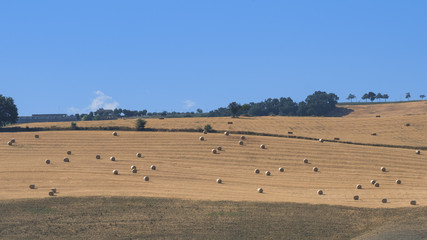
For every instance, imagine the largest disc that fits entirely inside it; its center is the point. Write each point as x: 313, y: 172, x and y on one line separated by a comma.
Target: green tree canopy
x: 320, y: 103
x: 351, y: 97
x: 234, y: 108
x: 8, y: 111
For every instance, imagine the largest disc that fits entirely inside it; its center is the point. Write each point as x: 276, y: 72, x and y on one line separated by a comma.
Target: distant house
x: 46, y: 118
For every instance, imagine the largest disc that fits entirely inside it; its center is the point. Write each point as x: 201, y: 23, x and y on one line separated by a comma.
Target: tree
x: 320, y: 103
x: 408, y: 96
x: 365, y: 97
x: 8, y: 111
x: 351, y: 97
x: 379, y: 96
x: 287, y: 107
x: 385, y: 96
x: 371, y: 96
x: 234, y: 108
x: 208, y: 128
x: 422, y: 96
x: 140, y: 124
x: 245, y: 108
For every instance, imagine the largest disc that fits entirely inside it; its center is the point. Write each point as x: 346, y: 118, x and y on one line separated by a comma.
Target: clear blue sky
x: 75, y: 56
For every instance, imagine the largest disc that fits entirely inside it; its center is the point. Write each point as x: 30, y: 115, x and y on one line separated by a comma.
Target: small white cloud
x: 189, y: 104
x: 102, y: 101
x: 73, y: 110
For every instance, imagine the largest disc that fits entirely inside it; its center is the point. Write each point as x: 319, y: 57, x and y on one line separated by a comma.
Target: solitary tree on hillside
x: 351, y: 97
x: 408, y: 96
x: 8, y: 111
x: 422, y: 96
x: 234, y: 108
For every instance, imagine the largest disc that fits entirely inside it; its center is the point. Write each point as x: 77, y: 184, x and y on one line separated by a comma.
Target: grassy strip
x: 159, y: 218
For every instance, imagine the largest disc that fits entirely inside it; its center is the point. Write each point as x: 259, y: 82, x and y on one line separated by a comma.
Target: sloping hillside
x: 399, y: 124
x: 387, y: 109
x: 187, y: 169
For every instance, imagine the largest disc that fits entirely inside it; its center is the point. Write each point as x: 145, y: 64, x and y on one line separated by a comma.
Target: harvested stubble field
x: 187, y: 170
x: 358, y: 126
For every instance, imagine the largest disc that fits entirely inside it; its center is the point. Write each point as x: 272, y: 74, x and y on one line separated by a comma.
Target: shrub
x: 208, y: 127
x: 73, y: 126
x: 140, y: 124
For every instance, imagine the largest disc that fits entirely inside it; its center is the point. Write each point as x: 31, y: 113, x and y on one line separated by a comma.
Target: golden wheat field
x: 359, y: 126
x: 187, y: 169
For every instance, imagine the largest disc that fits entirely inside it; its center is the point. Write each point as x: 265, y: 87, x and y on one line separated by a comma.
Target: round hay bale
x: 47, y: 161
x: 383, y: 169
x: 153, y: 167
x: 242, y: 137
x: 146, y: 178
x: 213, y: 151
x: 68, y: 152
x: 267, y: 173
x: 377, y: 184
x: 13, y: 140
x: 66, y: 159
x: 9, y: 143
x: 408, y: 124
x: 320, y: 192
x: 373, y: 182
x: 219, y: 180
x: 205, y: 132
x: 315, y: 169
x: 256, y: 171
x: 134, y: 170
x: 398, y: 181
x: 201, y: 138
x: 219, y: 148
x: 240, y: 142
x: 260, y: 190
x: 418, y: 152
x: 305, y: 160
x: 98, y: 156
x: 262, y: 146
x: 32, y: 186
x: 320, y: 140
x: 132, y: 167
x: 356, y: 197
x: 139, y: 155
x: 374, y: 134
x: 384, y: 200
x: 413, y: 202
x: 358, y: 186
x: 281, y: 169
x: 53, y: 190
x: 114, y: 133
x: 51, y: 193
x: 113, y: 159
x: 115, y: 172
x: 36, y: 136
x: 226, y: 133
